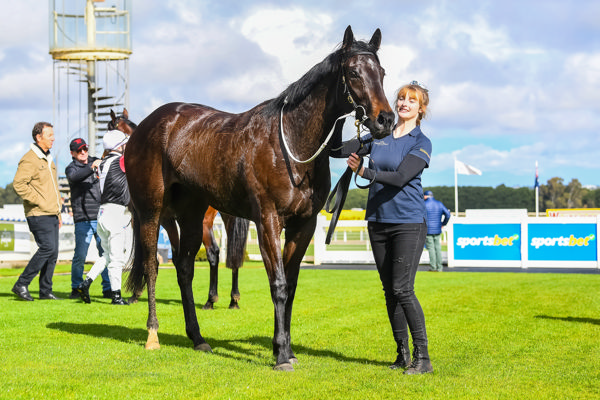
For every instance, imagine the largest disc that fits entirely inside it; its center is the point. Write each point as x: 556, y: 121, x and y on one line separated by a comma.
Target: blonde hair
x: 414, y: 90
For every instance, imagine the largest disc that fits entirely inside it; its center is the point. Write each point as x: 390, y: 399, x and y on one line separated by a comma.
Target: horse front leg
x: 269, y: 230
x: 297, y: 239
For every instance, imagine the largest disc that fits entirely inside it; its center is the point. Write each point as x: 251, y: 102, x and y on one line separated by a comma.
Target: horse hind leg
x: 148, y: 233
x: 212, y: 255
x: 237, y: 236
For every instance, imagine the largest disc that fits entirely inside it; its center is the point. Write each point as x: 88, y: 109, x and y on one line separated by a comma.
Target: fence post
x: 319, y: 239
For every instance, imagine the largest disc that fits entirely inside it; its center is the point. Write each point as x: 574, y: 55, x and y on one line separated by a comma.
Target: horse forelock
x: 299, y: 90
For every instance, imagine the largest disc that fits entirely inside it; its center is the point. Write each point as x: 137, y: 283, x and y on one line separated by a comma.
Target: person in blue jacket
x: 437, y: 216
x: 396, y: 219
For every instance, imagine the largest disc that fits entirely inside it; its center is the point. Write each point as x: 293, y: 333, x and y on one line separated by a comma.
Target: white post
x: 319, y: 239
x: 537, y: 192
x: 455, y: 188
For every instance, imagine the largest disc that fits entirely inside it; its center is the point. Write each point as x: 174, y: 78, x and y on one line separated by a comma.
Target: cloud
x: 509, y: 82
x: 297, y: 38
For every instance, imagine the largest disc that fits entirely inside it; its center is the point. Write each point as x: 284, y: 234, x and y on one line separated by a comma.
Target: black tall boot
x: 421, y: 363
x: 403, y: 359
x: 117, y: 299
x: 84, y: 290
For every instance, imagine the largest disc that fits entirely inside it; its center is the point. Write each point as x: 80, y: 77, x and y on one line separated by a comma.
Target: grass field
x: 492, y: 336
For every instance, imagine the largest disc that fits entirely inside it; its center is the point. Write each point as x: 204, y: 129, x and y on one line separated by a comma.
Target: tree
x: 574, y: 194
x: 9, y: 196
x: 357, y: 198
x: 553, y: 193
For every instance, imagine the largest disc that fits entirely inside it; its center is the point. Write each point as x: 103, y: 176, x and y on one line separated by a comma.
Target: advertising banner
x: 7, y: 237
x: 562, y: 242
x: 487, y: 242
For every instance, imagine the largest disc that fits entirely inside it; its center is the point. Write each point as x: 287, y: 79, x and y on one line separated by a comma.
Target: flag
x: 465, y: 169
x: 537, y: 181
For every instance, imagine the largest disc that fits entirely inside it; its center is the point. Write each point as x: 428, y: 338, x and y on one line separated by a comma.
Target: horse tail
x: 237, y: 235
x: 136, y: 281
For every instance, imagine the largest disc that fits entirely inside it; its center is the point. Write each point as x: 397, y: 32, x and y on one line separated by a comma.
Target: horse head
x: 362, y: 79
x: 121, y: 122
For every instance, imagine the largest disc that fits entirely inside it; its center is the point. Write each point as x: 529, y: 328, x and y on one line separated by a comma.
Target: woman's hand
x: 354, y: 162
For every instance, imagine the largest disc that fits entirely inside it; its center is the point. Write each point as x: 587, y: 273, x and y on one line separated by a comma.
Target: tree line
x: 554, y: 194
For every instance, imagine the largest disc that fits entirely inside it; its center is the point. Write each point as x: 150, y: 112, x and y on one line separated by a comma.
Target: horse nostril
x: 385, y: 119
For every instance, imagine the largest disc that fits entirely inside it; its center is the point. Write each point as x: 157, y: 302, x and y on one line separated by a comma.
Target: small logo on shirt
x: 380, y: 143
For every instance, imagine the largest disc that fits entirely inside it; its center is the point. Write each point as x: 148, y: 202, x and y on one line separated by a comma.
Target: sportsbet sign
x: 487, y: 242
x: 525, y: 242
x: 565, y: 242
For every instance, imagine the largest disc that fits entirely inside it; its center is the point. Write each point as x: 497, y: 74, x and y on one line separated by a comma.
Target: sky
x: 510, y: 82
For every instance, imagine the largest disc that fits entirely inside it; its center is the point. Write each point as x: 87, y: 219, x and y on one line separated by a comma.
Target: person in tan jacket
x: 36, y: 183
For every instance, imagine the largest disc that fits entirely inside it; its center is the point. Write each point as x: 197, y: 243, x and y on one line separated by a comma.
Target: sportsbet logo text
x: 570, y: 241
x: 495, y: 240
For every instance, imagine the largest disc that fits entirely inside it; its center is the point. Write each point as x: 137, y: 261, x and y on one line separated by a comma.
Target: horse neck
x: 307, y: 125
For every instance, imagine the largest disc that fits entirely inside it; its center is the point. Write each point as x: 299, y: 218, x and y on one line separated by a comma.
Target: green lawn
x: 492, y: 336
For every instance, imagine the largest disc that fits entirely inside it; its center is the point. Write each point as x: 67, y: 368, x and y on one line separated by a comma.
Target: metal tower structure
x: 90, y: 44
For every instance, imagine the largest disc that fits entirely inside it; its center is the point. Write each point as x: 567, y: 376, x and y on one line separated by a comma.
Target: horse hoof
x: 133, y: 300
x: 234, y: 306
x: 208, y: 306
x: 293, y: 360
x: 205, y: 347
x: 152, y: 346
x: 152, y: 342
x: 287, y: 367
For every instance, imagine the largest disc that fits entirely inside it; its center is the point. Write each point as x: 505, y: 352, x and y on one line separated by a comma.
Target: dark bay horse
x: 237, y: 235
x: 184, y: 157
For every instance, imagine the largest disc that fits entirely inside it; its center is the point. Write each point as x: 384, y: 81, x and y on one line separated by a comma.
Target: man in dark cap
x: 437, y: 216
x: 85, y: 203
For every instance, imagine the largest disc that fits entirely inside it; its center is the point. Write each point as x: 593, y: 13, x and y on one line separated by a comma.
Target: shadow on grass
x: 238, y: 349
x: 593, y: 321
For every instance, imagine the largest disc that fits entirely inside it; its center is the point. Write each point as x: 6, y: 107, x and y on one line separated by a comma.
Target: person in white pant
x: 114, y: 219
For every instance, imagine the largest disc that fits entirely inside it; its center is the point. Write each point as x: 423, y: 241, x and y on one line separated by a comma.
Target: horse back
x: 232, y: 160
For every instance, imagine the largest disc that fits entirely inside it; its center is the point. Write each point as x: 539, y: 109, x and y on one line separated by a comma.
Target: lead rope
x: 287, y: 148
x: 340, y: 190
x: 352, y: 113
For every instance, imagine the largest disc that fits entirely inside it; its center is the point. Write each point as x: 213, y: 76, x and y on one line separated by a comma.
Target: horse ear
x: 376, y: 39
x: 112, y: 115
x: 348, y: 38
x: 125, y: 113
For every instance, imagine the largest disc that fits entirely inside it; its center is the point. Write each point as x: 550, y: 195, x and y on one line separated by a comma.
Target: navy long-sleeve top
x: 396, y: 196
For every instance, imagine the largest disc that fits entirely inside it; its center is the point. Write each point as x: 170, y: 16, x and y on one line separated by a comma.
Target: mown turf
x: 492, y: 336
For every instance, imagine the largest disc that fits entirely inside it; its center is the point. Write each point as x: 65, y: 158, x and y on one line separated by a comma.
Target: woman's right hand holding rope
x: 355, y: 163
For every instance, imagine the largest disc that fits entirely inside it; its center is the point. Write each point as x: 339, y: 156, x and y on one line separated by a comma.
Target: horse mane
x: 131, y: 124
x: 299, y: 90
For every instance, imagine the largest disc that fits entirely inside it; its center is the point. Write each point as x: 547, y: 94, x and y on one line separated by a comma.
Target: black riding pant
x: 397, y: 250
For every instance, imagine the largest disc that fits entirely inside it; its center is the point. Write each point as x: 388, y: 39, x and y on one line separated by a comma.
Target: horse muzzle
x: 382, y: 125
